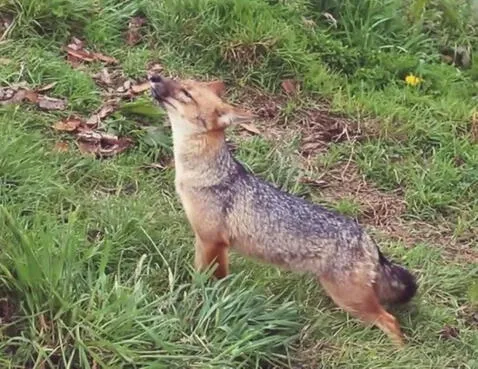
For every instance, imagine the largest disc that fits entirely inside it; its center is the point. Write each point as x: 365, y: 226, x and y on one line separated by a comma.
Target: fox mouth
x: 161, y: 89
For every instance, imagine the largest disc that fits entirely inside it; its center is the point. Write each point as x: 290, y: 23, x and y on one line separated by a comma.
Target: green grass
x: 95, y: 255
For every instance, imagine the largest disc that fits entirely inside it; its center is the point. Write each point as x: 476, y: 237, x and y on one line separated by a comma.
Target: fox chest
x: 203, y: 211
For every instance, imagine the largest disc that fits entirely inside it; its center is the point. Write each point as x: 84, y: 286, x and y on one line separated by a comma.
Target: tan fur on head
x: 198, y: 106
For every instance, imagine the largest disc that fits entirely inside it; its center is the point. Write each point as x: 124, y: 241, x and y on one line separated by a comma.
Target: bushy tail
x: 395, y: 284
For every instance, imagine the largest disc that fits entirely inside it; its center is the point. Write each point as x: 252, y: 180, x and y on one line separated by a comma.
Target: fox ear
x: 217, y: 87
x: 234, y: 116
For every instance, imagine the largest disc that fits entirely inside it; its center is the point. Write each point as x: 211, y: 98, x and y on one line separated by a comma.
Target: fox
x: 228, y: 207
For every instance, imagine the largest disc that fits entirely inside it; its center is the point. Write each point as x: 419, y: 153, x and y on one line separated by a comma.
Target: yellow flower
x: 413, y: 80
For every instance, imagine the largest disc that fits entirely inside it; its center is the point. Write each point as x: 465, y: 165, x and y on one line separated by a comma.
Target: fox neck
x: 196, y: 154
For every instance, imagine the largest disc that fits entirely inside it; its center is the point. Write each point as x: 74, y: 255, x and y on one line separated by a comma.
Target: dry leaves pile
x: 320, y: 127
x: 89, y: 132
x: 90, y: 140
x: 20, y: 93
x: 77, y: 54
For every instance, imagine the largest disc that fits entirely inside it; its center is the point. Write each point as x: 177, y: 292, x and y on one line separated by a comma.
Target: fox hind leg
x: 360, y: 300
x: 208, y: 253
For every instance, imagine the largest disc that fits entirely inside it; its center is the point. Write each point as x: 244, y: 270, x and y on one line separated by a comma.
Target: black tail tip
x: 410, y: 283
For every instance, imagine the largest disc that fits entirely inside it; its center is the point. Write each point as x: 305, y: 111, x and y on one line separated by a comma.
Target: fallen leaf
x: 11, y: 96
x: 61, y: 146
x: 289, y: 86
x: 87, y: 147
x: 50, y: 103
x: 69, y: 125
x: 7, y: 310
x: 104, y: 77
x: 155, y: 67
x: 133, y: 35
x: 449, y: 332
x: 111, y: 147
x: 77, y: 54
x: 314, y: 182
x: 6, y: 23
x: 107, y: 109
x: 125, y: 87
x: 141, y: 87
x: 17, y: 96
x: 268, y: 110
x: 46, y: 87
x: 31, y: 96
x: 101, y: 144
x: 5, y: 61
x: 76, y: 44
x: 250, y: 127
x: 105, y: 58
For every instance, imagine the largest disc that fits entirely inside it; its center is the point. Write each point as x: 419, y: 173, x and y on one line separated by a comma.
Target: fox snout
x: 161, y: 87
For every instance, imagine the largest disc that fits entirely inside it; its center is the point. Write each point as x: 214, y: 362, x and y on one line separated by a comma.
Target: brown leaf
x: 102, y: 144
x: 133, y: 35
x: 155, y: 68
x: 87, y: 147
x: 107, y: 109
x: 289, y: 86
x: 76, y: 56
x: 250, y: 127
x: 50, y: 103
x: 6, y: 23
x: 61, y: 146
x: 313, y: 182
x: 5, y: 61
x: 31, y: 96
x: 112, y: 146
x: 69, y: 125
x: 46, y: 87
x: 449, y: 332
x: 105, y: 58
x: 125, y: 87
x: 12, y: 96
x: 76, y: 44
x: 104, y: 77
x: 269, y: 110
x: 17, y: 96
x: 140, y: 87
x: 7, y: 310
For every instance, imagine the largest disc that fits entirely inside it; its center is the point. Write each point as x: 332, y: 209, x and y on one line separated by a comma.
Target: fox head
x: 196, y: 107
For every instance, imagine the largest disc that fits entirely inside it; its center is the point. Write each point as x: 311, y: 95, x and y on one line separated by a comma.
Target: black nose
x: 156, y: 78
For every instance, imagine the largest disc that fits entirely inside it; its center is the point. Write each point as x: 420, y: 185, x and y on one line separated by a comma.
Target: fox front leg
x: 209, y: 254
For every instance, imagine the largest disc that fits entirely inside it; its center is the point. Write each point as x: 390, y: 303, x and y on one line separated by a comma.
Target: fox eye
x: 186, y: 93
